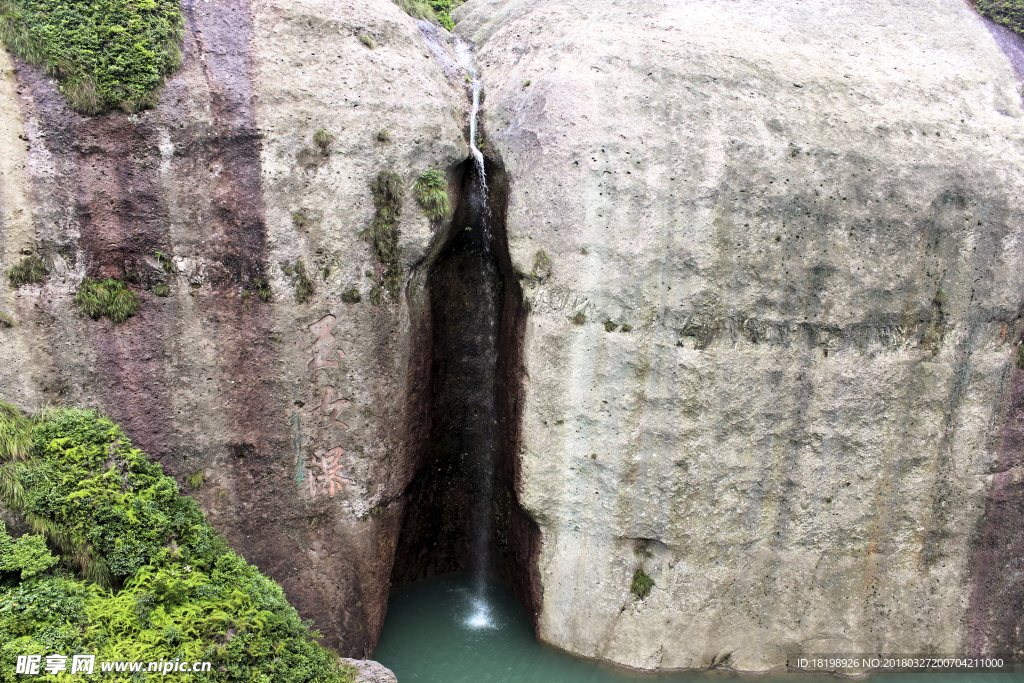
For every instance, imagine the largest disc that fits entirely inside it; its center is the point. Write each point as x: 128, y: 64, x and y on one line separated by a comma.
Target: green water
x: 439, y: 631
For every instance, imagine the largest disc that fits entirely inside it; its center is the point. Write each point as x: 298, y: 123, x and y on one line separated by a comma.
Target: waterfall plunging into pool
x: 462, y: 510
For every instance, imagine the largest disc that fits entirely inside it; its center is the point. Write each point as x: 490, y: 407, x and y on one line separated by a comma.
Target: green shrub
x: 164, y: 584
x: 106, y: 53
x: 431, y: 190
x: 351, y: 296
x: 642, y: 584
x: 368, y: 41
x: 110, y: 297
x: 376, y: 296
x: 30, y: 271
x: 302, y: 283
x: 609, y: 326
x: 626, y: 328
x: 382, y: 235
x: 1020, y: 356
x: 6, y: 320
x: 1009, y: 13
x: 299, y: 219
x: 579, y: 318
x: 383, y: 136
x: 162, y: 290
x: 437, y: 11
x: 197, y: 480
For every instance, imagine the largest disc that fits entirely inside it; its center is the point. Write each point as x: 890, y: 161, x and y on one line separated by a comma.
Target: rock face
x: 270, y: 401
x: 809, y: 216
x: 771, y: 256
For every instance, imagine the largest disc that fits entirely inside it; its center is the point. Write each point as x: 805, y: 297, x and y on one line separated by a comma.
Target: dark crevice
x: 462, y: 511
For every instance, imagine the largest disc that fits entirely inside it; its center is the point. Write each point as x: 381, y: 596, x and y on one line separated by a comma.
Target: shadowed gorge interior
x: 461, y: 509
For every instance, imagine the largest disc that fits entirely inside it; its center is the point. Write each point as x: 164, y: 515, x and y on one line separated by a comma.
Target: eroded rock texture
x: 809, y: 214
x: 270, y: 401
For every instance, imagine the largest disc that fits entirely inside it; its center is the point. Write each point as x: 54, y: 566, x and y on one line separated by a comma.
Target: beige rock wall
x: 809, y: 214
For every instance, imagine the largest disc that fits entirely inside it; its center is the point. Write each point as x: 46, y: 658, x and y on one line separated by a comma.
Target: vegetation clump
x: 110, y: 297
x: 382, y: 235
x: 121, y: 566
x: 302, y: 283
x: 351, y: 296
x: 6, y: 321
x: 383, y: 136
x: 107, y: 53
x: 166, y: 262
x: 431, y: 190
x: 299, y: 219
x: 609, y: 326
x: 579, y: 318
x: 162, y: 290
x: 323, y: 140
x: 30, y: 271
x: 642, y: 584
x: 263, y: 290
x: 1009, y: 13
x: 437, y: 11
x: 368, y: 41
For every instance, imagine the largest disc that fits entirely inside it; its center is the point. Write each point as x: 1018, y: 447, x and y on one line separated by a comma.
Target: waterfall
x: 465, y: 55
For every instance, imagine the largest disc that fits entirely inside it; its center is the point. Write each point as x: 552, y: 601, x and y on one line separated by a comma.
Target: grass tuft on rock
x: 642, y: 584
x: 351, y: 296
x: 110, y: 298
x: 431, y: 190
x: 1009, y: 13
x: 263, y: 290
x: 30, y: 271
x: 323, y: 140
x: 6, y: 320
x: 166, y: 262
x: 107, y: 54
x: 120, y: 565
x: 382, y: 235
x: 162, y: 290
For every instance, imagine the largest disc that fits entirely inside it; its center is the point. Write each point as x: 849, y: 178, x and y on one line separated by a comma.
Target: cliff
x: 757, y: 294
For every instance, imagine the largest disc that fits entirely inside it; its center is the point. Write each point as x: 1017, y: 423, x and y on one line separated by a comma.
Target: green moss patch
x: 642, y: 584
x: 1009, y: 13
x: 107, y: 53
x: 110, y: 298
x: 122, y: 566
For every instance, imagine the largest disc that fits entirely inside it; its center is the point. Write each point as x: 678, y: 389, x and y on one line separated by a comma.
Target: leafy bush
x: 29, y: 271
x: 1009, y: 13
x: 642, y: 584
x: 110, y: 297
x: 382, y: 235
x: 437, y: 11
x: 431, y: 190
x: 169, y: 586
x: 106, y: 53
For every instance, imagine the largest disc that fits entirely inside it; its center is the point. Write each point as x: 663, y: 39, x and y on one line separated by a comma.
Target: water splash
x: 481, y: 615
x: 465, y: 55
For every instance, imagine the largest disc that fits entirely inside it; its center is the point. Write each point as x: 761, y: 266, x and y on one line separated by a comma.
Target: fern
x: 431, y: 190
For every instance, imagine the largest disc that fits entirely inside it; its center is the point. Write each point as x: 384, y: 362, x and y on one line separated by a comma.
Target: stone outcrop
x: 809, y: 216
x: 269, y: 401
